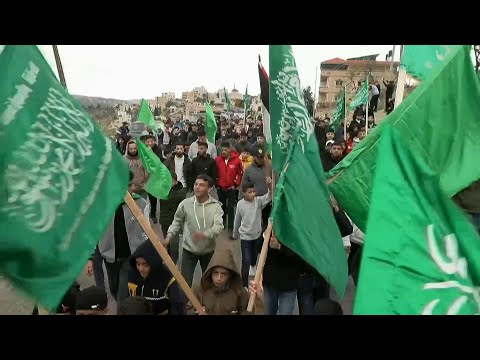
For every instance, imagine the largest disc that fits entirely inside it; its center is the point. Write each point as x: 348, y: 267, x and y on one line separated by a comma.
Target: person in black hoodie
x: 149, y: 278
x: 280, y: 275
x: 203, y: 164
x: 167, y: 212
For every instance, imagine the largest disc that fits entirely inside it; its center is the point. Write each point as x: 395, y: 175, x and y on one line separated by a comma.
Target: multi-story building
x: 336, y: 74
x: 168, y: 95
x: 188, y: 96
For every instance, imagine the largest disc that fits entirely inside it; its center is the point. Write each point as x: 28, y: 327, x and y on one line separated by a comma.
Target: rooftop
x: 338, y: 61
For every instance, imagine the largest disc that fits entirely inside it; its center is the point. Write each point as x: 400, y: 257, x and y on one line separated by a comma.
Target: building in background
x: 337, y: 73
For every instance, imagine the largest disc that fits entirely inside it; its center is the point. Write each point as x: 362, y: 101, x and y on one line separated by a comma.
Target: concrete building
x: 337, y: 73
x: 188, y: 96
x: 168, y: 95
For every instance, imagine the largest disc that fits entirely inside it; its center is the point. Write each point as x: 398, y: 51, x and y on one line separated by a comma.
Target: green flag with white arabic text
x: 61, y: 179
x: 420, y: 60
x: 302, y: 216
x: 338, y: 113
x: 420, y: 255
x: 361, y: 97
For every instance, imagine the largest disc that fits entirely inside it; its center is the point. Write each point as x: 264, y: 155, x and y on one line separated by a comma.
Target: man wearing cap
x: 257, y: 174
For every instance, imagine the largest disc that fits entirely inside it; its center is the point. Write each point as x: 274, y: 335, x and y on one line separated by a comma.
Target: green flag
x: 361, y: 97
x: 210, y: 123
x: 420, y: 255
x: 159, y: 182
x: 308, y: 230
x: 227, y: 99
x: 419, y: 60
x: 145, y: 116
x: 61, y: 179
x: 339, y: 112
x: 439, y: 118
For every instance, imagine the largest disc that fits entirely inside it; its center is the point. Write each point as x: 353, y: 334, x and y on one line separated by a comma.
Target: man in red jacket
x: 230, y: 172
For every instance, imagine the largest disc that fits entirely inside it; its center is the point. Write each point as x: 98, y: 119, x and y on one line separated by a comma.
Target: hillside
x: 92, y: 101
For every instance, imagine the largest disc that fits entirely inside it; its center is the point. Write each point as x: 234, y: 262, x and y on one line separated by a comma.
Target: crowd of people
x: 217, y: 188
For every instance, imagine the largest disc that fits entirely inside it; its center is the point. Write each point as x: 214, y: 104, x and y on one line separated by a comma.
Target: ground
x: 13, y: 303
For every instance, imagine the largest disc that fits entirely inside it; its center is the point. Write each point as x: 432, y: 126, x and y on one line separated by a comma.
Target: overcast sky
x: 145, y: 71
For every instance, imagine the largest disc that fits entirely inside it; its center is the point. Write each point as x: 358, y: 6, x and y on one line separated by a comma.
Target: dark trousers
x: 373, y: 104
x: 249, y: 256
x: 117, y: 273
x: 228, y: 198
x: 173, y: 247
x: 153, y: 205
x: 189, y: 262
x: 387, y: 96
x: 354, y: 261
x: 305, y: 286
x: 97, y: 264
x: 321, y: 289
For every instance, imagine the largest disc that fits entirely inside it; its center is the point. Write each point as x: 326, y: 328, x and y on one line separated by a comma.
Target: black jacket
x: 202, y: 165
x: 328, y: 162
x: 168, y: 207
x: 160, y: 288
x: 282, y: 269
x: 170, y: 164
x: 158, y: 151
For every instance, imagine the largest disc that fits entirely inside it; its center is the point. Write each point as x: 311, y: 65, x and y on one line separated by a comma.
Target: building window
x: 339, y: 82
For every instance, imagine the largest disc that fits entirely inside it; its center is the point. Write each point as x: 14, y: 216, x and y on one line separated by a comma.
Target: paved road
x: 13, y: 303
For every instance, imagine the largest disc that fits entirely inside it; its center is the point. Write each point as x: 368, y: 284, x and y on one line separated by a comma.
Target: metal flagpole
x: 366, y: 109
x: 315, y: 93
x: 345, y: 112
x: 61, y: 75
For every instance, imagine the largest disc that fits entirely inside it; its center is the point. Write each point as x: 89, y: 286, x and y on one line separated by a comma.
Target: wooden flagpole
x: 266, y: 239
x: 152, y: 236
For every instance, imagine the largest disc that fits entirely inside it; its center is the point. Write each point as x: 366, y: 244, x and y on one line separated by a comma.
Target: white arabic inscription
x: 44, y: 170
x: 294, y: 114
x: 454, y: 265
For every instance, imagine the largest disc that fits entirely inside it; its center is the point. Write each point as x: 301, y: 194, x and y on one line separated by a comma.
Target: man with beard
x: 179, y: 164
x: 193, y: 134
x: 135, y: 165
x: 331, y: 159
x: 242, y: 144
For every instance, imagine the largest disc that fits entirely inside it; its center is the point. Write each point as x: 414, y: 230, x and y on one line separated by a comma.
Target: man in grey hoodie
x: 120, y: 240
x: 201, y: 218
